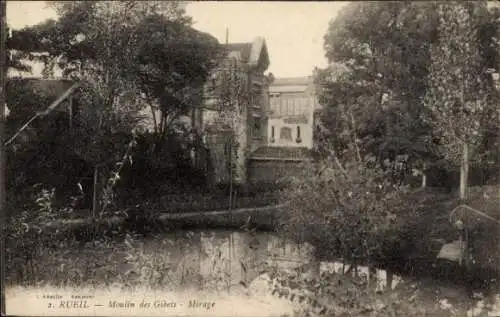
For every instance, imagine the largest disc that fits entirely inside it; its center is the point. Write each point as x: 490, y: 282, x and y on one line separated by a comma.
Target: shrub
x: 336, y: 294
x: 349, y: 211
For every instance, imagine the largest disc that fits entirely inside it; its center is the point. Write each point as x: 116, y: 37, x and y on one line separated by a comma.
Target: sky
x: 293, y: 30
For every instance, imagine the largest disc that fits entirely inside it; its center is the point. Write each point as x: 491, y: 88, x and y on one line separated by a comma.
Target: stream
x: 215, y: 260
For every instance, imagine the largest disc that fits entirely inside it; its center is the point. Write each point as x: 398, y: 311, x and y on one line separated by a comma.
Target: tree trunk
x: 464, y: 172
x: 95, y: 200
x: 155, y: 120
x: 70, y: 113
x: 424, y: 177
x: 389, y: 279
x: 372, y: 275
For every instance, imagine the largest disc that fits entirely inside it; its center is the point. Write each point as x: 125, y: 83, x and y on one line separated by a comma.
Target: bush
x: 351, y: 212
x: 337, y: 294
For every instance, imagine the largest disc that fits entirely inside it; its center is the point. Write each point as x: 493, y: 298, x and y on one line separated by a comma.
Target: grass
x: 105, y: 262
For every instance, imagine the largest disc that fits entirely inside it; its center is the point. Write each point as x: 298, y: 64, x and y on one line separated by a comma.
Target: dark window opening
x: 299, y: 140
x: 256, y: 128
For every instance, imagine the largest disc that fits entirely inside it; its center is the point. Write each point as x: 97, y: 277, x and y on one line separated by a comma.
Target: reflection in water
x: 222, y: 260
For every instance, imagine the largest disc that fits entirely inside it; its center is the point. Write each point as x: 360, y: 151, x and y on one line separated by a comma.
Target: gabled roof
x: 243, y: 48
x: 254, y: 53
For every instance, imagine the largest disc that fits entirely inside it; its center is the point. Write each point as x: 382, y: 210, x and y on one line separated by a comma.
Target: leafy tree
x: 383, y: 45
x: 127, y: 56
x: 345, y: 203
x: 459, y: 95
x: 173, y: 62
x: 383, y: 49
x: 349, y: 209
x: 374, y: 110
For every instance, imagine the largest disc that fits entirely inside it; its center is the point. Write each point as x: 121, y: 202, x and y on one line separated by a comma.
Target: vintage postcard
x: 220, y: 158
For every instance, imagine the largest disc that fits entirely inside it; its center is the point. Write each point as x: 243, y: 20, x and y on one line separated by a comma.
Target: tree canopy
x: 376, y: 95
x: 128, y: 57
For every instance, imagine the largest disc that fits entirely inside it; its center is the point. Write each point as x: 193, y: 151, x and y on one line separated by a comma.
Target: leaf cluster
x: 373, y: 91
x: 346, y: 211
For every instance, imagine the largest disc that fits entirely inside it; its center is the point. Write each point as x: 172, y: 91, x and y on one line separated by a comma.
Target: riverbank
x: 413, y: 254
x: 216, y: 261
x: 143, y: 221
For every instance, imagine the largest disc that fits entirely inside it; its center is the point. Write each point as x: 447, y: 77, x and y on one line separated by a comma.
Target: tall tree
x: 458, y: 96
x: 383, y: 49
x: 172, y: 65
x: 127, y: 56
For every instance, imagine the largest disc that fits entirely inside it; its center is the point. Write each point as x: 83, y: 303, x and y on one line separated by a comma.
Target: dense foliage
x: 460, y: 94
x: 390, y: 102
x: 351, y: 210
x: 387, y: 98
x: 131, y: 60
x: 380, y: 55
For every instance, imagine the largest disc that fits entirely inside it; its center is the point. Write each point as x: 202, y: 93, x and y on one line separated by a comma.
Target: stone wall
x: 272, y: 170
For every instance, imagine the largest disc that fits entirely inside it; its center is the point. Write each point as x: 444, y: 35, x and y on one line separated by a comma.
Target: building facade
x: 291, y: 113
x: 232, y: 117
x: 290, y: 120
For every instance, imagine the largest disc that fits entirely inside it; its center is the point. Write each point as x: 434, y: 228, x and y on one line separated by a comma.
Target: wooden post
x: 3, y: 75
x: 424, y: 177
x: 464, y: 172
x: 389, y: 279
x: 194, y: 134
x: 95, y: 192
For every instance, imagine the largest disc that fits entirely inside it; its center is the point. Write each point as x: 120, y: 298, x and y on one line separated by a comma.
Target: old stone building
x: 232, y: 118
x: 272, y: 119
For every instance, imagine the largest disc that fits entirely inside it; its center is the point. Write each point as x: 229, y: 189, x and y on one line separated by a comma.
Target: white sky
x: 293, y: 30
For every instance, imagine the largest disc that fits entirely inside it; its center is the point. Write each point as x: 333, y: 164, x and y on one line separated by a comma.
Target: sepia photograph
x: 250, y: 158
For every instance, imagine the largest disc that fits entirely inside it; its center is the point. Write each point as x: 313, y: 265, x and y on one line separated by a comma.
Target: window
x: 283, y: 106
x: 303, y: 106
x: 227, y: 148
x: 286, y: 134
x: 214, y: 84
x: 298, y: 140
x: 275, y: 104
x: 291, y: 106
x: 272, y: 134
x: 257, y: 96
x: 256, y: 131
